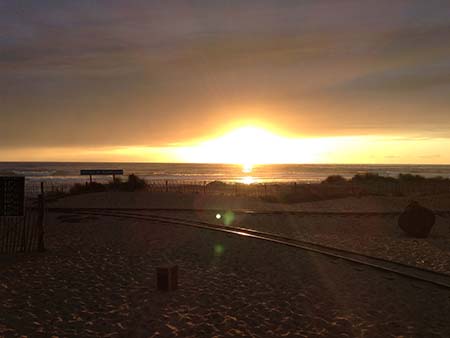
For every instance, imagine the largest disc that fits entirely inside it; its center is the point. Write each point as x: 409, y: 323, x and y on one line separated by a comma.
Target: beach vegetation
x: 217, y: 184
x: 133, y: 183
x: 363, y: 184
x: 369, y: 178
x: 334, y: 179
x: 409, y: 178
x: 88, y: 187
x: 334, y: 186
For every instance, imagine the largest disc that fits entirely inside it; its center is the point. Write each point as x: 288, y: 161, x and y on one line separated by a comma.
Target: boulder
x: 416, y: 220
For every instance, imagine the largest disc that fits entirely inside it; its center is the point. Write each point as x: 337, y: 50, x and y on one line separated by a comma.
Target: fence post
x: 41, y: 219
x: 167, y: 186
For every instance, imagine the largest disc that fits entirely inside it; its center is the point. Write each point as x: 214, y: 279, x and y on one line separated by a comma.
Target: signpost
x: 92, y: 172
x: 12, y: 195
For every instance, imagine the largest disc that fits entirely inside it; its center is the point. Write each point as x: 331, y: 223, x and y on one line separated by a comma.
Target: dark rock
x: 416, y: 220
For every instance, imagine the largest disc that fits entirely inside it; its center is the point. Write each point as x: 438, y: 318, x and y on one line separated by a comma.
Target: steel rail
x: 416, y: 273
x: 441, y: 213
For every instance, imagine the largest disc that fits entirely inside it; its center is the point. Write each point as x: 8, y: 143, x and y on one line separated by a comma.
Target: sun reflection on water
x: 248, y: 180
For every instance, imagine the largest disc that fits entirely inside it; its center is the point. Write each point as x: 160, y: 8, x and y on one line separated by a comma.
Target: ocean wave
x: 33, y: 173
x: 210, y: 172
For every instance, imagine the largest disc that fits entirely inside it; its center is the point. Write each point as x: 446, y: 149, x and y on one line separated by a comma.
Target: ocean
x: 68, y: 173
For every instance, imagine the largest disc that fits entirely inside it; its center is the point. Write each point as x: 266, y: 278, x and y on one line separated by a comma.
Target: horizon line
x: 238, y: 164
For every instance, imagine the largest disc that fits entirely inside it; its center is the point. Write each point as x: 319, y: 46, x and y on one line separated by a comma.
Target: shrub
x: 217, y: 184
x: 115, y: 185
x: 79, y: 188
x: 134, y: 183
x: 439, y: 179
x: 409, y: 178
x: 334, y: 179
x: 368, y: 178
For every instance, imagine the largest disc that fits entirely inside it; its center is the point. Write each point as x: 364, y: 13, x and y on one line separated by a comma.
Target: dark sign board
x: 102, y: 172
x: 12, y: 195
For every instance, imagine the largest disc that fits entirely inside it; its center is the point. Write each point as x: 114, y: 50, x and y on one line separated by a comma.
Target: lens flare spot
x: 218, y: 216
x: 218, y: 250
x: 228, y: 218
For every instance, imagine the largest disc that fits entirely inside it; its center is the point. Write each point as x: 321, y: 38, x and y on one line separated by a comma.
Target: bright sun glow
x: 250, y: 145
x: 265, y: 148
x: 247, y: 168
x: 246, y: 146
x: 248, y: 180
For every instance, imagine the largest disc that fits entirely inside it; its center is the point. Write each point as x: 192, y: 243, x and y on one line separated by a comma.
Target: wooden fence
x: 21, y: 233
x: 25, y: 233
x: 262, y: 189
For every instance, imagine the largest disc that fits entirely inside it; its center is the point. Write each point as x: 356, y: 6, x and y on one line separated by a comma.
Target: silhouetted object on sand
x: 167, y: 278
x: 416, y: 220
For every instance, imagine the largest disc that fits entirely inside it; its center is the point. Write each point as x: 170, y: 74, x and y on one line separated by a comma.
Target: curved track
x: 411, y: 272
x: 441, y: 213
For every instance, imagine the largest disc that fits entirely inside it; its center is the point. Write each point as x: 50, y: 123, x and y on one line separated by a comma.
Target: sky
x: 157, y: 80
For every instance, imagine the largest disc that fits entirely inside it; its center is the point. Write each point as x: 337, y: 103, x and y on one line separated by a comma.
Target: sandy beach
x: 372, y: 234
x: 97, y: 279
x: 174, y: 200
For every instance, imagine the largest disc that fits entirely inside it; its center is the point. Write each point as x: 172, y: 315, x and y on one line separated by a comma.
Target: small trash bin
x: 167, y: 277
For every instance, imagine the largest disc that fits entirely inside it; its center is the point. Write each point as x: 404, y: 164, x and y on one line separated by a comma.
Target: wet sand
x: 97, y: 279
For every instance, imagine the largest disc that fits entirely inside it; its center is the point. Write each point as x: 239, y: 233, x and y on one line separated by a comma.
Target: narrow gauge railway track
x: 411, y: 272
x: 440, y: 213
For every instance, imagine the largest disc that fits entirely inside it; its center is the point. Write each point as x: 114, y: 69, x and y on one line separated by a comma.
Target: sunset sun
x: 246, y: 146
x: 250, y: 145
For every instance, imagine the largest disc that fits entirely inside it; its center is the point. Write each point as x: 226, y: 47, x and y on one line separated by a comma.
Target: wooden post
x: 167, y: 186
x: 167, y: 278
x: 41, y: 220
x: 204, y: 187
x: 6, y: 237
x: 90, y: 179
